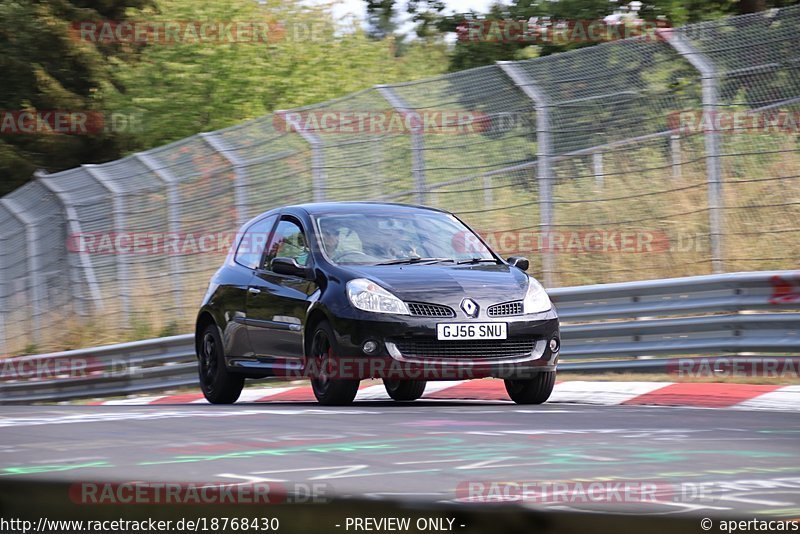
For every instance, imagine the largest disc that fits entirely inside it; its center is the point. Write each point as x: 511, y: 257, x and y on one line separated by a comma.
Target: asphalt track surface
x: 702, y: 461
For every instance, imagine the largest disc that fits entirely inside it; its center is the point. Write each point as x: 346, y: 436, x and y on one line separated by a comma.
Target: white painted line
x: 785, y: 398
x: 606, y: 393
x: 376, y: 392
x: 134, y: 401
x: 440, y: 385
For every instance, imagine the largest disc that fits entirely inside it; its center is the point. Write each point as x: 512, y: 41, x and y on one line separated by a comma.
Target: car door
x: 232, y: 295
x: 277, y: 303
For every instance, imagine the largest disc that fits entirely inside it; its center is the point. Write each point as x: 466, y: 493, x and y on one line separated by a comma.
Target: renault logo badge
x: 470, y: 307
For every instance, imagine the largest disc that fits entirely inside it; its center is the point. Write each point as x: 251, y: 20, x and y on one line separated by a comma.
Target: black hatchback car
x: 340, y: 292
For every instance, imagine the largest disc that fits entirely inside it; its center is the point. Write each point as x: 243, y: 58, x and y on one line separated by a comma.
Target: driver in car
x: 330, y: 238
x: 338, y: 246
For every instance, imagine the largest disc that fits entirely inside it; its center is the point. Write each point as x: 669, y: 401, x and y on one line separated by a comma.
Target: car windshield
x: 396, y: 238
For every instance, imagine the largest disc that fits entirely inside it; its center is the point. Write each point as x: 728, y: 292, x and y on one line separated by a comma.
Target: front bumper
x: 525, y: 353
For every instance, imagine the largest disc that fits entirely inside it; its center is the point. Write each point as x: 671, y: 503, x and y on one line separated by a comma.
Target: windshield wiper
x: 414, y: 259
x: 476, y: 260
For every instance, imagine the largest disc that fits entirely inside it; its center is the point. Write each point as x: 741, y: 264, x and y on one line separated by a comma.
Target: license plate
x: 445, y: 331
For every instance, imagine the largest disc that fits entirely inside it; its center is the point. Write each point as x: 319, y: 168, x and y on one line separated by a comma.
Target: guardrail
x: 742, y: 314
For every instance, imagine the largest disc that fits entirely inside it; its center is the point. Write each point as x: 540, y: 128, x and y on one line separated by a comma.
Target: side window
x: 253, y: 242
x: 288, y: 242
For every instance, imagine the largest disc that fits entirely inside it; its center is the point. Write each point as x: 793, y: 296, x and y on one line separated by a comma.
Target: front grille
x: 430, y: 310
x: 505, y: 309
x: 472, y: 348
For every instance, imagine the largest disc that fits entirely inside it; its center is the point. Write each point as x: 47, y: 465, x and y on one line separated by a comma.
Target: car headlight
x: 536, y: 299
x: 368, y: 296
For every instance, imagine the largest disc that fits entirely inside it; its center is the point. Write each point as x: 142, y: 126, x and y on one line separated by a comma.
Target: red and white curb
x: 702, y: 395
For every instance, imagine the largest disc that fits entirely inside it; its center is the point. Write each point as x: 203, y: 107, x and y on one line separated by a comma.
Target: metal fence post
x: 488, y: 192
x: 74, y: 228
x: 417, y: 141
x: 675, y: 155
x: 173, y: 219
x: 709, y: 78
x: 317, y: 157
x: 543, y: 158
x: 597, y: 165
x: 240, y: 175
x: 3, y: 338
x: 34, y: 268
x: 118, y: 207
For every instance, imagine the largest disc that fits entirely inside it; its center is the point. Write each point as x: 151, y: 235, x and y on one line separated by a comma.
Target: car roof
x: 315, y: 208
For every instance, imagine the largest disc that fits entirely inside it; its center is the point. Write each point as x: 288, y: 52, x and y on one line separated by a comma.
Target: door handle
x: 253, y: 290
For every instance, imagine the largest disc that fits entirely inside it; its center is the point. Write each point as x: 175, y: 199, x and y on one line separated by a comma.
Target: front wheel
x: 219, y: 386
x: 533, y: 391
x: 328, y: 390
x: 405, y: 390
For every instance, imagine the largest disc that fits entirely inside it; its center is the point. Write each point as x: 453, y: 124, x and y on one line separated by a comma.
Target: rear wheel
x: 533, y: 391
x: 405, y: 390
x: 219, y: 386
x: 329, y: 391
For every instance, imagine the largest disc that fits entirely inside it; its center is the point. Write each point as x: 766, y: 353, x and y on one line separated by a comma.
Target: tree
x: 469, y: 53
x: 189, y: 87
x: 381, y: 17
x: 46, y: 68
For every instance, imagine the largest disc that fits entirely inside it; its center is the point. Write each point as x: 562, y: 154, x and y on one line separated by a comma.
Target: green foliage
x: 46, y: 68
x: 181, y: 89
x: 468, y: 54
x: 140, y: 328
x: 172, y: 328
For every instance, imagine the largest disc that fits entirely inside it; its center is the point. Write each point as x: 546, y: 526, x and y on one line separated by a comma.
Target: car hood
x: 449, y: 284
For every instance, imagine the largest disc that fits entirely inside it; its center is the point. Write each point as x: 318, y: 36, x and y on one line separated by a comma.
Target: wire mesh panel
x: 758, y: 120
x: 620, y: 209
x: 277, y: 163
x: 479, y: 151
x: 205, y: 205
x: 14, y: 283
x: 92, y: 205
x: 141, y: 242
x: 39, y: 284
x: 362, y: 146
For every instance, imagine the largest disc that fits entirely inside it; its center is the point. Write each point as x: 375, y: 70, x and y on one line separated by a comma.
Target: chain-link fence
x: 635, y: 159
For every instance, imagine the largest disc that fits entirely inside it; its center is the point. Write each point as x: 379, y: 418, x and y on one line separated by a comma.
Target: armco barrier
x: 743, y: 314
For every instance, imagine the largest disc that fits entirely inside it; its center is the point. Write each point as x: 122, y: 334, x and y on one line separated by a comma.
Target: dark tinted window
x: 253, y: 242
x: 288, y: 242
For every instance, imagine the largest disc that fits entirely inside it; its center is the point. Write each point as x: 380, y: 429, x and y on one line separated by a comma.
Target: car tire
x: 532, y: 391
x: 328, y: 391
x: 405, y: 390
x: 219, y: 386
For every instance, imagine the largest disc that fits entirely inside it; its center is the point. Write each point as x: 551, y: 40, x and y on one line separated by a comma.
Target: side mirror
x: 289, y: 266
x: 519, y: 262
